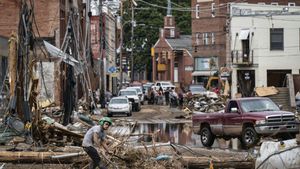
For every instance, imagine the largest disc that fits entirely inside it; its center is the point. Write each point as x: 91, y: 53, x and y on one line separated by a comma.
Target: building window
x: 170, y: 21
x: 291, y: 4
x: 205, y: 38
x: 274, y: 3
x: 213, y: 10
x: 172, y: 33
x: 276, y: 39
x: 197, y: 11
x: 198, y: 38
x: 213, y: 40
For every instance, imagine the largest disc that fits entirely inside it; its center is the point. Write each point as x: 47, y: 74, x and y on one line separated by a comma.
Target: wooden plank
x: 38, y: 157
x: 225, y: 162
x: 266, y: 91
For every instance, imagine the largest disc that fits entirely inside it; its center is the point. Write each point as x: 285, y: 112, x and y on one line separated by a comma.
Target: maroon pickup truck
x: 247, y: 119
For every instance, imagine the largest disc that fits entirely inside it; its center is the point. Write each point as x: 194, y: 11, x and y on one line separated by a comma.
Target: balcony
x: 239, y: 57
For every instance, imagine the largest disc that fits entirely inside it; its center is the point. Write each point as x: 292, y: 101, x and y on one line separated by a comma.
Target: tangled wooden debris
x: 58, y: 144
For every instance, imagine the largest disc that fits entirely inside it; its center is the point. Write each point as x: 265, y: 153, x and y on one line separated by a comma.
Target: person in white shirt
x: 96, y: 138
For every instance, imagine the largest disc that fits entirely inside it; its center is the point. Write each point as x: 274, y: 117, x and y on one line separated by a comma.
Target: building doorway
x: 276, y: 78
x: 246, y: 82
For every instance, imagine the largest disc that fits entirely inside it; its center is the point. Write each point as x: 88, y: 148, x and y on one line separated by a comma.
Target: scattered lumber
x: 225, y: 162
x: 39, y: 157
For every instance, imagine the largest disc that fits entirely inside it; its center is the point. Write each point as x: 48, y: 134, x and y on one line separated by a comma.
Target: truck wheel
x: 249, y: 137
x: 207, y: 137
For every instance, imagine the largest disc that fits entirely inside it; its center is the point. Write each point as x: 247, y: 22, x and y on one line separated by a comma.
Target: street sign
x: 114, y: 75
x: 112, y: 69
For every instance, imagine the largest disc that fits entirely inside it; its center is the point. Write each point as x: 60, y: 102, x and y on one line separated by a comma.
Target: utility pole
x: 132, y: 35
x: 101, y: 58
x: 121, y: 46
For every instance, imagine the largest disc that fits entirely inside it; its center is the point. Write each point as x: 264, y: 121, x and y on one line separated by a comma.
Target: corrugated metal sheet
x: 296, y: 83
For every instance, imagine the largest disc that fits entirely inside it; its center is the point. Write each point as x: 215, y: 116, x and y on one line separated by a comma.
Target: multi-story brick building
x: 49, y: 23
x: 210, y: 40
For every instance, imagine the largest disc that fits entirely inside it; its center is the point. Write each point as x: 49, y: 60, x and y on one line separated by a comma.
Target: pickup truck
x: 247, y: 119
x: 164, y: 85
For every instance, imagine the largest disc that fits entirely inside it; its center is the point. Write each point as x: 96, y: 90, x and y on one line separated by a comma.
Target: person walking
x: 94, y: 139
x: 167, y: 95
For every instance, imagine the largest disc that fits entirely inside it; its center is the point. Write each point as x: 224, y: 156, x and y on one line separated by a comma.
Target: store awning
x: 204, y: 73
x: 244, y: 33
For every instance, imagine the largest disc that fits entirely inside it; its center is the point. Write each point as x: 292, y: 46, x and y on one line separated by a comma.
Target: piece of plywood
x: 266, y: 91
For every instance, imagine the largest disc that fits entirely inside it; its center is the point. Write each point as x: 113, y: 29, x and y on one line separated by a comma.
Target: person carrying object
x: 95, y: 138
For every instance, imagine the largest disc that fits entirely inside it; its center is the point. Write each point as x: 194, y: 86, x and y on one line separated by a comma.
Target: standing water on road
x: 174, y: 131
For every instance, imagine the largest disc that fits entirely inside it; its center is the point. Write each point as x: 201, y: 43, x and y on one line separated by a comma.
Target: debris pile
x: 204, y: 104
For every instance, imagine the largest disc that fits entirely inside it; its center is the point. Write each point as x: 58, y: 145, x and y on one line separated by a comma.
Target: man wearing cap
x: 93, y: 139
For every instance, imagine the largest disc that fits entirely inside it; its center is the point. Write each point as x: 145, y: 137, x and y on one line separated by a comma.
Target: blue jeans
x: 93, y: 154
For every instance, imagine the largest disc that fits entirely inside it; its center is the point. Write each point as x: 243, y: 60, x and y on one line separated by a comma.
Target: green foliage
x: 149, y: 19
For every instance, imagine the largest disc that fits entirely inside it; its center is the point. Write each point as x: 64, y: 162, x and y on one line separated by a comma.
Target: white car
x: 139, y: 90
x: 133, y: 97
x: 119, y: 105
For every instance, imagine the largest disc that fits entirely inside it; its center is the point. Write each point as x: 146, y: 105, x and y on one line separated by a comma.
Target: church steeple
x: 169, y: 12
x: 170, y: 30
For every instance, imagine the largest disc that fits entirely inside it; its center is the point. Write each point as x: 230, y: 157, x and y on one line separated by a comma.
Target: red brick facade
x: 46, y: 14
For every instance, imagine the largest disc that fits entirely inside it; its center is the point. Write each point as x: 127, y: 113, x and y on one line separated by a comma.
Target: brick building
x: 210, y: 40
x: 171, y: 55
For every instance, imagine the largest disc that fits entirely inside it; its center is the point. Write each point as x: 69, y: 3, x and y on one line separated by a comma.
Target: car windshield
x: 127, y: 93
x: 137, y: 89
x: 165, y: 84
x: 258, y: 105
x: 118, y: 101
x: 198, y: 89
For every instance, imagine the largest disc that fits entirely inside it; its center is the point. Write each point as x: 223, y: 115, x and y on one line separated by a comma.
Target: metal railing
x: 240, y: 57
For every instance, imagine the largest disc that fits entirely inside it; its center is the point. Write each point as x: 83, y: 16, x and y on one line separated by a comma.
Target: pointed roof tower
x: 169, y: 12
x: 169, y: 30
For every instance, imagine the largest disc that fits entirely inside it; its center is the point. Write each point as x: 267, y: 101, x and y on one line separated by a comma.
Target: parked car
x: 139, y: 90
x: 248, y: 119
x: 119, y: 105
x: 133, y: 97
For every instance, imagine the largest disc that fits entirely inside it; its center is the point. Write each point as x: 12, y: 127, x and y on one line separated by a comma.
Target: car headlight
x: 260, y: 122
x: 136, y: 100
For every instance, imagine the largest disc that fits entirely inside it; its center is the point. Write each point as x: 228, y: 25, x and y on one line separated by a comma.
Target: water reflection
x: 161, y: 131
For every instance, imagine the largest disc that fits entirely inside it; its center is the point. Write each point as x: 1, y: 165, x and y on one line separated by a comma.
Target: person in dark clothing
x: 93, y: 139
x: 180, y: 99
x: 167, y: 96
x: 152, y: 97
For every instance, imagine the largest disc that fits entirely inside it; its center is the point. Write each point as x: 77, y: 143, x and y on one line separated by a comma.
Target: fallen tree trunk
x: 40, y: 157
x: 225, y: 162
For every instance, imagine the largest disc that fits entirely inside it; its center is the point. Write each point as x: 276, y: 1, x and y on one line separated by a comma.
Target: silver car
x: 119, y: 105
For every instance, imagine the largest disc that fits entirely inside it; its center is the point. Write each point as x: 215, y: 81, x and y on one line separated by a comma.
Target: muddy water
x: 174, y: 131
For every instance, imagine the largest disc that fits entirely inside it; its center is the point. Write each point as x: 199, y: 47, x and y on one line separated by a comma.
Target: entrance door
x: 246, y: 82
x: 276, y: 78
x: 175, y: 74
